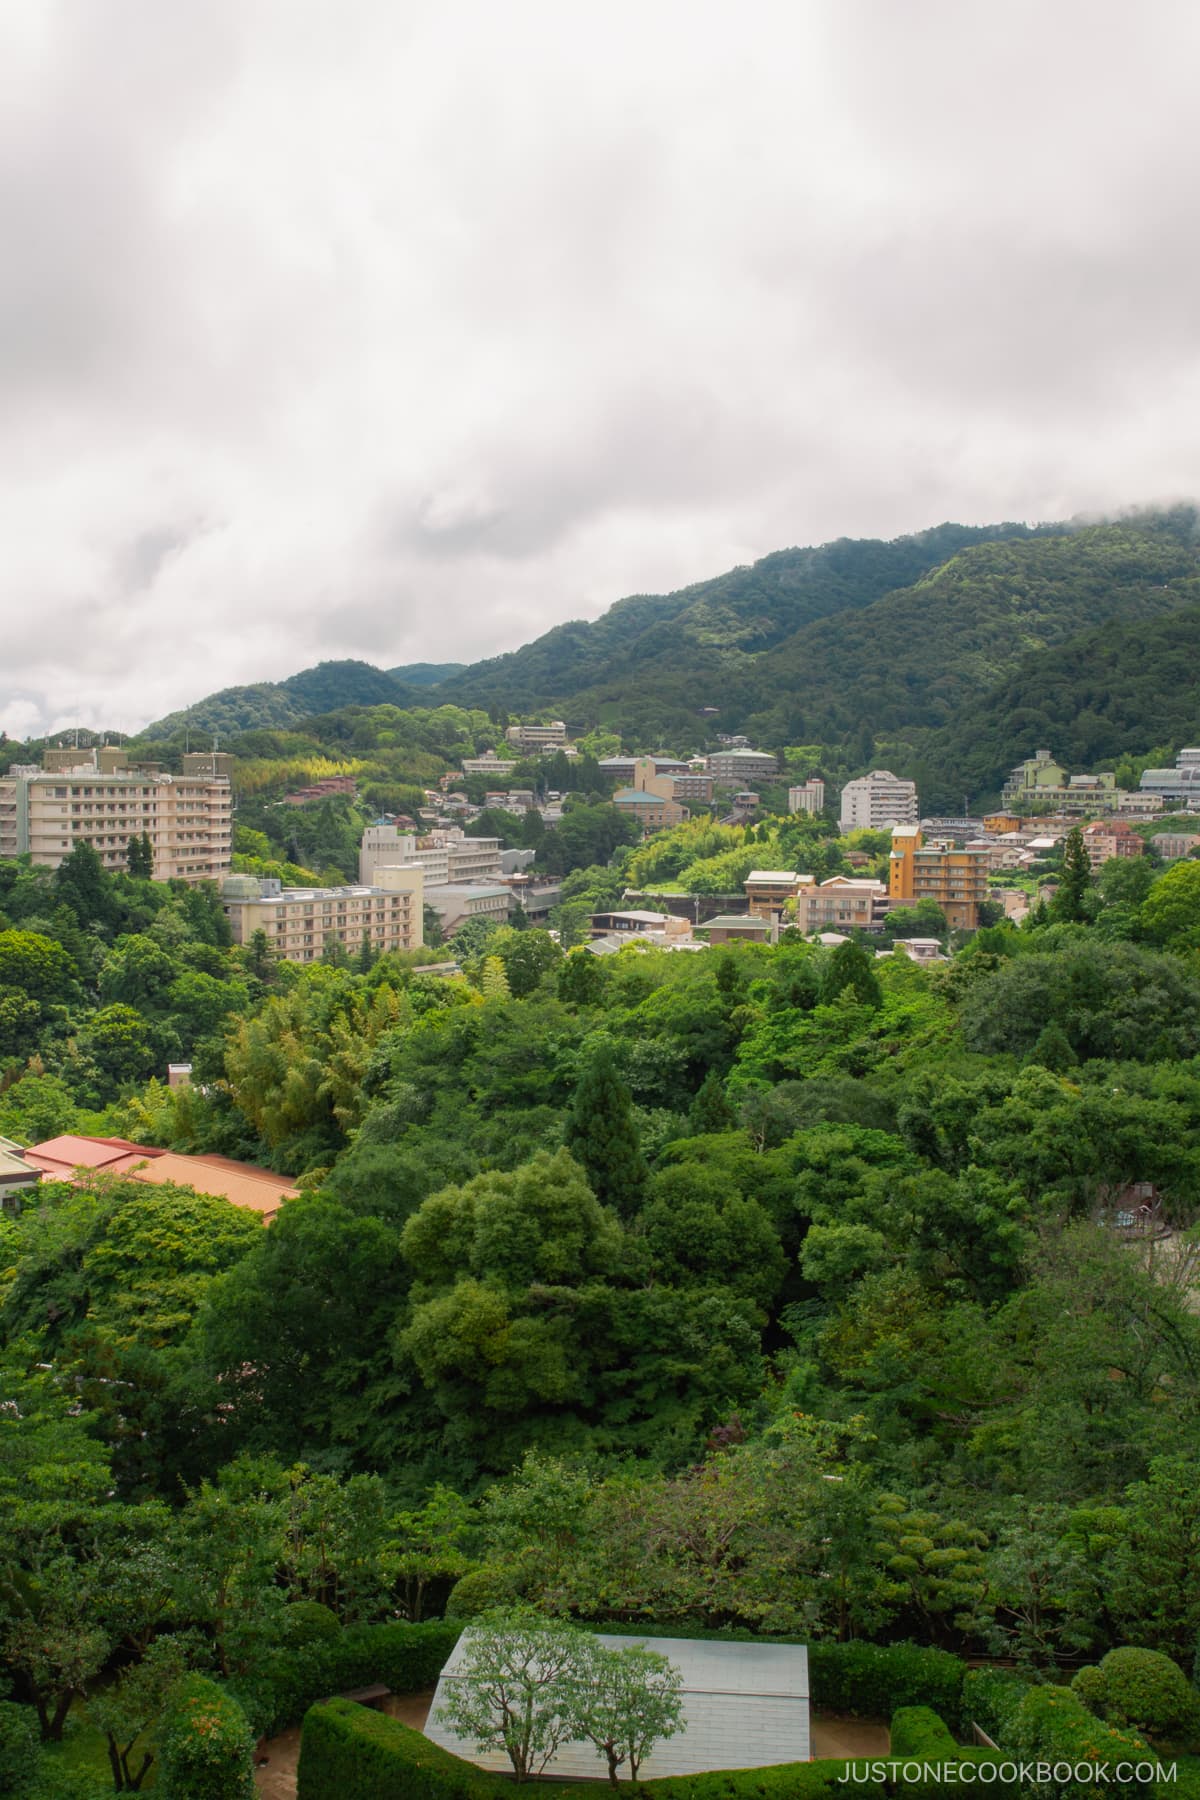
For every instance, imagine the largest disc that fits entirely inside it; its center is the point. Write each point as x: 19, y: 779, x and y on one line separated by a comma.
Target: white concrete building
x: 878, y: 800
x: 807, y: 796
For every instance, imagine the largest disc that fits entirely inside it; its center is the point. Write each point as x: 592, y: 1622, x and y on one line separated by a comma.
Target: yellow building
x: 956, y: 879
x: 1000, y: 823
x: 100, y: 796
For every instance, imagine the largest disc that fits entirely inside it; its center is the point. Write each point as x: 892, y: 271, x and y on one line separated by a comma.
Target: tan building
x: 652, y: 811
x: 652, y: 777
x: 1113, y: 838
x: 741, y: 768
x: 530, y: 739
x: 443, y: 856
x: 100, y: 796
x: 956, y: 879
x: 299, y: 922
x: 488, y: 764
x: 878, y: 800
x: 843, y: 903
x: 456, y: 904
x: 769, y: 890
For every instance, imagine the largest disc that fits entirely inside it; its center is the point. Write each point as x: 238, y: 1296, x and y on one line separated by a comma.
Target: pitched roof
x: 240, y: 1183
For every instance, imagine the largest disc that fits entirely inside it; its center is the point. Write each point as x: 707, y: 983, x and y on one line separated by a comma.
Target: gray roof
x: 745, y: 1706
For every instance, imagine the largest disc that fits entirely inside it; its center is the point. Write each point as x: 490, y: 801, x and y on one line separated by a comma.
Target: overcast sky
x: 404, y: 331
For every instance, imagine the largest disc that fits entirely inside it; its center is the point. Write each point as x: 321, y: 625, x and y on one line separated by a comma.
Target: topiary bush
x: 308, y: 1622
x: 405, y: 1658
x: 1052, y: 1725
x: 478, y: 1592
x: 19, y: 1753
x: 205, y: 1750
x: 1145, y: 1690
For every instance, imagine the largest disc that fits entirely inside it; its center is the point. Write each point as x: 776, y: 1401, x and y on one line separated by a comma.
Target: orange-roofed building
x: 242, y: 1184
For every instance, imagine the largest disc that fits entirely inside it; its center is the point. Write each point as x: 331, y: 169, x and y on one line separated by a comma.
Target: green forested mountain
x: 651, y: 661
x: 272, y: 704
x: 1111, y: 692
x: 425, y: 674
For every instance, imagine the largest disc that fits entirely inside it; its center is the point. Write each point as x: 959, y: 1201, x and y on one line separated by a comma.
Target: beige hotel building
x: 101, y: 796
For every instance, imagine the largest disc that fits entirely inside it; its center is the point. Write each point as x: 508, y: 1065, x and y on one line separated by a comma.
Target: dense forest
x: 783, y: 1289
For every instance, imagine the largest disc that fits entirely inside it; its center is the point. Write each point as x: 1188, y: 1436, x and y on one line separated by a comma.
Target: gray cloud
x: 407, y: 331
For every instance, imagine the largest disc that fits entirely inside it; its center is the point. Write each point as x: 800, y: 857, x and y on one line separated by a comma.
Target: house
x: 745, y: 1706
x: 18, y: 1176
x: 878, y: 800
x: 844, y: 903
x: 733, y: 928
x: 768, y: 890
x: 72, y: 1158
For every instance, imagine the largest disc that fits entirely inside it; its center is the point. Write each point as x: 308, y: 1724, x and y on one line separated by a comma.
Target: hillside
x: 425, y: 674
x: 1112, y: 691
x: 650, y: 661
x: 271, y: 705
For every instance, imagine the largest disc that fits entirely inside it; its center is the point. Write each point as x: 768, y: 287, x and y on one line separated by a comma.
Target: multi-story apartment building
x: 807, y: 796
x: 103, y: 797
x: 741, y: 768
x: 878, y: 800
x: 955, y: 878
x: 444, y: 856
x: 299, y: 922
x: 530, y: 739
x: 1115, y: 837
x: 1172, y: 845
x: 840, y: 904
x: 1179, y: 786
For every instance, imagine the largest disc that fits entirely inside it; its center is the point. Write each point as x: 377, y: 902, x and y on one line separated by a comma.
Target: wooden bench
x: 367, y: 1696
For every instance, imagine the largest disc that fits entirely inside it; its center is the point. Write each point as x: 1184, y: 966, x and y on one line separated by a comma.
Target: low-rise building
x: 1172, y: 845
x: 456, y: 904
x: 488, y: 764
x: 955, y: 878
x: 769, y: 890
x: 738, y: 928
x: 1114, y: 837
x: 652, y: 811
x: 844, y: 902
x: 878, y: 800
x: 18, y: 1177
x: 741, y: 768
x: 529, y: 740
x: 807, y: 796
x: 77, y: 1159
x: 101, y: 797
x: 299, y: 922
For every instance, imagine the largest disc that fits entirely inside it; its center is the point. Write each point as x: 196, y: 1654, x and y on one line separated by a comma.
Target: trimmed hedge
x: 204, y: 1744
x: 404, y: 1657
x: 920, y: 1737
x: 349, y: 1750
x: 1145, y: 1691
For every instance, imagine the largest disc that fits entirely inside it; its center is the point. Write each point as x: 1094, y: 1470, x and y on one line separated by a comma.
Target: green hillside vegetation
x: 274, y: 704
x: 1093, y: 700
x: 425, y: 674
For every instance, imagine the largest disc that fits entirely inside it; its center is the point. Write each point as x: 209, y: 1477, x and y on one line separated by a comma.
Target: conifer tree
x: 1070, y: 900
x: 710, y: 1110
x: 602, y: 1136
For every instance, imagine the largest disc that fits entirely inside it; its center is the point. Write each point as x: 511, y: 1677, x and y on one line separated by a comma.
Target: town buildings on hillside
x: 108, y: 799
x: 954, y: 877
x: 807, y: 796
x: 1179, y: 786
x: 1041, y: 784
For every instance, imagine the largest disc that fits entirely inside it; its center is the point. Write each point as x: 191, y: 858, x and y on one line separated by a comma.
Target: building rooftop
x: 242, y: 1184
x: 777, y: 877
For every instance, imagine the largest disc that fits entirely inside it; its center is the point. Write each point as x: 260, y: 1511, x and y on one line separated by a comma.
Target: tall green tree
x: 1070, y: 902
x: 601, y: 1135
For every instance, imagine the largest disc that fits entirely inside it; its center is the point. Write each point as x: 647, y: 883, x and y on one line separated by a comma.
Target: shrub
x: 920, y: 1737
x: 990, y: 1697
x: 308, y: 1622
x: 478, y: 1592
x: 918, y: 1732
x: 874, y: 1680
x: 1145, y: 1690
x: 18, y: 1749
x: 204, y: 1744
x: 1052, y: 1725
